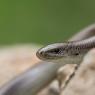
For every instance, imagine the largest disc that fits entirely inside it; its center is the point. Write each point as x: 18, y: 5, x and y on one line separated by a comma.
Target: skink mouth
x: 47, y: 58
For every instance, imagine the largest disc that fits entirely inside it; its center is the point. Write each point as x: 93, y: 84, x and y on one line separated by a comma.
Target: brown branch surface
x: 15, y: 60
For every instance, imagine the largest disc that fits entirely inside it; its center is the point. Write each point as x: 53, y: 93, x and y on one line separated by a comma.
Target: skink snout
x: 45, y: 53
x: 41, y: 54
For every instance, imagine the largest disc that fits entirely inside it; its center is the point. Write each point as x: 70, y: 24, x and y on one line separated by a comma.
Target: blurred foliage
x: 43, y: 21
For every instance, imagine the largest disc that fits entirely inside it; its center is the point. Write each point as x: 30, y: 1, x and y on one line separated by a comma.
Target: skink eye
x: 55, y: 51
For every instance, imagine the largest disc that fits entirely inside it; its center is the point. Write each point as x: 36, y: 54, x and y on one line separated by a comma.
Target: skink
x: 33, y: 80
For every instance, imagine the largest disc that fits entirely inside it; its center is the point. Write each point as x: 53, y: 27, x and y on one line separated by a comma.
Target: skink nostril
x: 40, y: 54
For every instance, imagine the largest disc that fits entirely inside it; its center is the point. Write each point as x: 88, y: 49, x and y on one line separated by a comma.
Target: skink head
x: 59, y: 51
x: 53, y: 51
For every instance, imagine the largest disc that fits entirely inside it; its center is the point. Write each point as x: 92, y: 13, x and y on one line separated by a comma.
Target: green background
x: 43, y: 21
